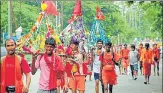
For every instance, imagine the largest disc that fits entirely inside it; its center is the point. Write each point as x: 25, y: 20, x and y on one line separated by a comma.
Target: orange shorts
x: 58, y: 82
x: 147, y: 68
x: 78, y: 83
x: 109, y: 77
x: 124, y: 63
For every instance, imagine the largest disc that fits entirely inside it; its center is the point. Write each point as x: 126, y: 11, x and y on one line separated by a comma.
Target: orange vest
x: 18, y: 75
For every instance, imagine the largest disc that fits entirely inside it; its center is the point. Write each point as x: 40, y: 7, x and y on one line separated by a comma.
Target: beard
x: 11, y: 52
x: 99, y: 48
x: 49, y: 53
x: 108, y: 50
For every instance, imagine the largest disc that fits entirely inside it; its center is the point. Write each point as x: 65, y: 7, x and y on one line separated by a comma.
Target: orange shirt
x: 125, y: 53
x: 120, y: 52
x: 156, y: 53
x: 107, y: 58
x: 140, y: 50
x: 147, y: 56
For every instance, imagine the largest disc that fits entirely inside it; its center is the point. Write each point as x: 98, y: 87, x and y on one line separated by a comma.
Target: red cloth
x: 58, y: 67
x: 86, y: 66
x: 147, y: 68
x: 125, y: 53
x: 68, y: 69
x: 156, y: 53
x: 107, y: 58
x: 99, y: 14
x: 69, y: 51
x: 7, y: 74
x: 60, y: 49
x: 140, y: 51
x: 147, y: 58
x: 76, y: 12
x: 10, y: 69
x: 51, y: 8
x: 77, y: 9
x: 108, y: 77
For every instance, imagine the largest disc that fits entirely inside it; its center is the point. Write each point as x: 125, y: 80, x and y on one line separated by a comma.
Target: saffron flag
x: 99, y: 14
x: 76, y: 12
x: 77, y: 9
x: 51, y: 8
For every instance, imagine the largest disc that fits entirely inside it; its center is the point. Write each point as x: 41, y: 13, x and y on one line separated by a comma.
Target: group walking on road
x: 64, y: 69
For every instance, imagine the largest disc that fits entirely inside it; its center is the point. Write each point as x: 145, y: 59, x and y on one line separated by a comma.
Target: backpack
x: 115, y: 63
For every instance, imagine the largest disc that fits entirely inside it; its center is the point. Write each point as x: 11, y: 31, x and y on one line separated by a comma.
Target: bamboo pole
x: 62, y: 16
x: 9, y: 19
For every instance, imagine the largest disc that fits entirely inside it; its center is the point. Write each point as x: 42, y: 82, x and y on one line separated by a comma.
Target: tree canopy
x: 126, y: 20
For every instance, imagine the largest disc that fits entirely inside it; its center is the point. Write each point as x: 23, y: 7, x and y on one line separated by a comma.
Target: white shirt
x: 133, y: 57
x: 97, y: 63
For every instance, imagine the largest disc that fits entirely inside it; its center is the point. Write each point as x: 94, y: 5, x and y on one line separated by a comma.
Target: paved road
x: 125, y: 84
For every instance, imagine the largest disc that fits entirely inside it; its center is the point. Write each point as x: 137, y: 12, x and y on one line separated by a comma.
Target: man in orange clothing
x: 120, y: 61
x: 140, y: 51
x: 147, y: 58
x: 108, y: 73
x: 125, y: 63
x: 12, y: 68
x: 61, y: 74
x: 74, y: 66
x: 156, y: 54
